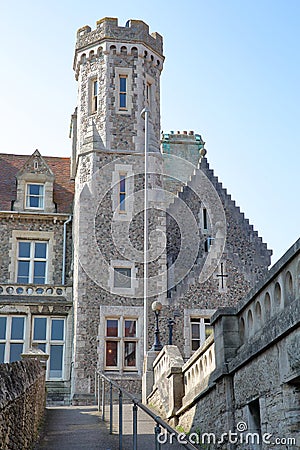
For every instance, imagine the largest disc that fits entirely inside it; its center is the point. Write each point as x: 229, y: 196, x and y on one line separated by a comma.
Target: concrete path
x: 81, y: 427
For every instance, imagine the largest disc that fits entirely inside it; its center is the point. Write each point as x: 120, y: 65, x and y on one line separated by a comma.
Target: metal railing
x: 100, y: 397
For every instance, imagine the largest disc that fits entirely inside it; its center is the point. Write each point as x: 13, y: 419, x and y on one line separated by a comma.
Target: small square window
x: 122, y: 277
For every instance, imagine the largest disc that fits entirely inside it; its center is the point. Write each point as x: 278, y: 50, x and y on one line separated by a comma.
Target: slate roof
x: 63, y: 187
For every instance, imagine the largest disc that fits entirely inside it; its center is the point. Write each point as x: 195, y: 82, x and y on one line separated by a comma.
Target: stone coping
x: 273, y: 273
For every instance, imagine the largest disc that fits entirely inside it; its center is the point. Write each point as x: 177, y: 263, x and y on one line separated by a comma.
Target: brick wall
x: 22, y: 403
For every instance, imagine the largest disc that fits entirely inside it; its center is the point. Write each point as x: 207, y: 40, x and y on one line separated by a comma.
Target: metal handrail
x: 136, y: 404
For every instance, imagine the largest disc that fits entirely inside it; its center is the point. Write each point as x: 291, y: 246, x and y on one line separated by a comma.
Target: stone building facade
x: 36, y: 196
x: 202, y: 252
x: 241, y: 388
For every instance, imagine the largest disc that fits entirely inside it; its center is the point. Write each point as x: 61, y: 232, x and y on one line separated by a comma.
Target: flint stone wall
x: 22, y: 403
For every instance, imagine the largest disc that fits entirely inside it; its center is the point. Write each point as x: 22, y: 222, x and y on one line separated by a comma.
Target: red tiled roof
x: 63, y: 187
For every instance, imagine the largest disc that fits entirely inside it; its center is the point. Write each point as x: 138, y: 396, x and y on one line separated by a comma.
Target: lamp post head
x: 144, y: 111
x: 156, y: 307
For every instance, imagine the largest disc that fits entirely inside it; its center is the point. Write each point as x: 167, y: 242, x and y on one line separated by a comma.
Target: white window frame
x: 129, y: 313
x: 121, y: 340
x: 25, y: 235
x: 8, y: 340
x: 203, y: 324
x: 123, y: 92
x: 32, y: 260
x: 93, y: 98
x: 188, y: 315
x: 122, y: 170
x: 208, y: 243
x: 48, y: 342
x: 121, y: 72
x: 122, y: 205
x: 28, y: 196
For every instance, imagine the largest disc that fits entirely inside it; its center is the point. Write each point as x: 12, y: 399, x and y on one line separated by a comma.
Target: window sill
x: 34, y: 209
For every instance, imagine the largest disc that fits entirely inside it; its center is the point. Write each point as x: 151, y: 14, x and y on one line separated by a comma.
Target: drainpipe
x: 63, y: 274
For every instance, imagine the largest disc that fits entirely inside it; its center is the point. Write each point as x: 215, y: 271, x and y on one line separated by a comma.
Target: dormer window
x: 35, y: 194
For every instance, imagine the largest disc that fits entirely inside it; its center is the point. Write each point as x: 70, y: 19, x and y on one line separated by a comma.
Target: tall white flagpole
x: 145, y: 114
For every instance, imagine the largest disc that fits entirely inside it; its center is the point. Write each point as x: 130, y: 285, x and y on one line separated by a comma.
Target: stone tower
x: 118, y: 72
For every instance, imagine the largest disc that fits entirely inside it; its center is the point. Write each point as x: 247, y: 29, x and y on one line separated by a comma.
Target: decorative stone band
x: 52, y: 217
x: 30, y: 290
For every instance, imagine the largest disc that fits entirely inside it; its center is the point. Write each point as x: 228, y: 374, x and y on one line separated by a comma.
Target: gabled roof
x: 42, y: 166
x: 11, y: 164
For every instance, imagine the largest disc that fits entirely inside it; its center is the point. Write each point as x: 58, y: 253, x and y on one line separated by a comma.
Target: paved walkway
x: 81, y: 427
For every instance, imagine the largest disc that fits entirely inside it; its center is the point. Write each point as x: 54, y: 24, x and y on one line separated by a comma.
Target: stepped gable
x: 241, y: 251
x: 230, y: 204
x: 12, y: 164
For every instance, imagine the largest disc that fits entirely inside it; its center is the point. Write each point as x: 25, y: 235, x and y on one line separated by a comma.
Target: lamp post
x: 156, y: 307
x: 145, y: 115
x: 171, y: 323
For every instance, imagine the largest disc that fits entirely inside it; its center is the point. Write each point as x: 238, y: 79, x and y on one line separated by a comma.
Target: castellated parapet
x: 108, y: 28
x: 134, y: 33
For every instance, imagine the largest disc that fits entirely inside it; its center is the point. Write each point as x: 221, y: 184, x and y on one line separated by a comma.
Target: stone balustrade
x: 176, y: 383
x: 197, y: 369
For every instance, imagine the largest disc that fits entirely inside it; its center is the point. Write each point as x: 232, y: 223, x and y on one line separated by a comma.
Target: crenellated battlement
x: 182, y: 136
x: 108, y: 29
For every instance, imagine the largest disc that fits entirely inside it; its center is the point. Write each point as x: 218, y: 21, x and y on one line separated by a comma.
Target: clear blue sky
x: 231, y: 74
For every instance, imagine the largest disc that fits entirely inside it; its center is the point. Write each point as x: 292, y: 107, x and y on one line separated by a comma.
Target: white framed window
x: 200, y: 331
x: 12, y: 338
x: 94, y: 87
x: 35, y: 196
x: 122, y: 192
x: 32, y: 259
x: 49, y: 335
x: 123, y: 91
x: 122, y: 278
x: 123, y: 81
x: 197, y: 328
x: 208, y: 243
x: 121, y: 341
